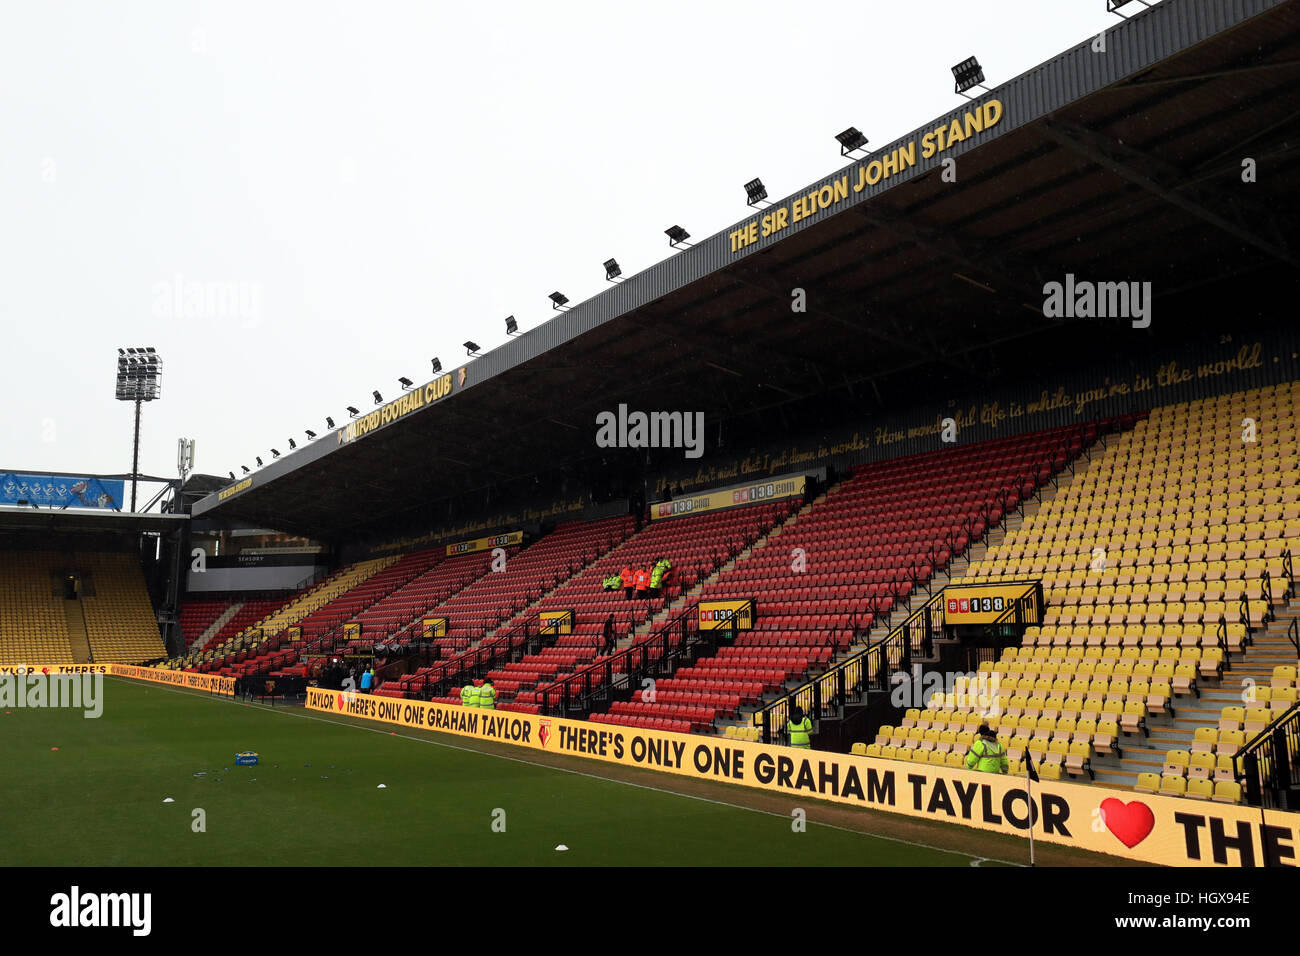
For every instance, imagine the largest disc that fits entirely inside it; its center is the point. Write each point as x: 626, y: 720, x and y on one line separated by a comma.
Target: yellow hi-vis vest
x: 987, y: 757
x: 469, y: 695
x: 487, y: 696
x: 799, y: 732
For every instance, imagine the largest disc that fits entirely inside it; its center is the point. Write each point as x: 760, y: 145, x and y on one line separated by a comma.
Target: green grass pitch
x: 314, y: 799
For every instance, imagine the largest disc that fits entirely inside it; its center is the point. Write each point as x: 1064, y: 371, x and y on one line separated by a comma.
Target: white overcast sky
x: 391, y: 179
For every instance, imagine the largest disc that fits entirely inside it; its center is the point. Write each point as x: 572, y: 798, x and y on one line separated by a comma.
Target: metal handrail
x: 1267, y: 765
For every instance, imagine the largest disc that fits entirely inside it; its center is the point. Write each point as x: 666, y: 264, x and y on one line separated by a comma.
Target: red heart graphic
x: 1130, y: 822
x: 45, y: 670
x: 340, y: 701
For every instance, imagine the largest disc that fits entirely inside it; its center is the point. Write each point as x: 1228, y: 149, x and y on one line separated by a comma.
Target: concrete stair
x: 1268, y: 648
x: 78, y: 640
x: 215, y: 627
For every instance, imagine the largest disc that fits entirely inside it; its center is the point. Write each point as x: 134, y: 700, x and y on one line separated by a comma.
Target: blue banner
x: 56, y: 491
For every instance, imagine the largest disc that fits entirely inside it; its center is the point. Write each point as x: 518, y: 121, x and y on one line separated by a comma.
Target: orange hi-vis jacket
x: 642, y: 579
x: 626, y: 575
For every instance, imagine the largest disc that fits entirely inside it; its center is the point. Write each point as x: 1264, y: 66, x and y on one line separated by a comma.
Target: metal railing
x: 1268, y: 767
x: 866, y: 671
x: 869, y: 670
x: 597, y: 683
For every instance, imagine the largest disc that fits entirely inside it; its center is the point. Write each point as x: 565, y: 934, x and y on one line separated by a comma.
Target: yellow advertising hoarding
x: 557, y: 622
x: 484, y: 544
x: 984, y: 603
x: 732, y: 497
x: 725, y: 615
x: 21, y: 669
x: 212, y: 683
x: 1156, y: 829
x: 352, y: 631
x: 434, y: 627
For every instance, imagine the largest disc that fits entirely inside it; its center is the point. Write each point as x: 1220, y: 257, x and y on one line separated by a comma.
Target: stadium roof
x: 1096, y: 163
x: 74, y: 521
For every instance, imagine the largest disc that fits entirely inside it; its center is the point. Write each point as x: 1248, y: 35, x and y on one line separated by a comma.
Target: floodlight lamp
x: 755, y: 191
x: 612, y: 269
x: 676, y: 235
x: 511, y: 325
x: 967, y: 74
x: 850, y: 140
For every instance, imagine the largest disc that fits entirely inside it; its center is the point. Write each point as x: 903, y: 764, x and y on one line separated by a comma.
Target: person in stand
x: 987, y: 754
x: 659, y: 575
x: 487, y: 695
x: 469, y: 695
x: 799, y: 727
x: 627, y: 577
x: 367, y: 678
x: 609, y: 634
x: 641, y: 581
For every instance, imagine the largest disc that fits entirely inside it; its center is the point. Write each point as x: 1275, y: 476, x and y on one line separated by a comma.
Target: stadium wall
x: 253, y: 572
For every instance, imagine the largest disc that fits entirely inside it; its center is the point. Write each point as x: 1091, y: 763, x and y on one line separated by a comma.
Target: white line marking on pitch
x: 592, y: 776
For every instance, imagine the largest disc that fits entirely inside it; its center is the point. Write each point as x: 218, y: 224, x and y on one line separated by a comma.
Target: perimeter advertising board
x: 1157, y: 829
x: 733, y: 497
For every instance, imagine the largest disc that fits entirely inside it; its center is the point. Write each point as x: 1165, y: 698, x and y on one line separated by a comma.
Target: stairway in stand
x: 77, y: 638
x: 1269, y: 648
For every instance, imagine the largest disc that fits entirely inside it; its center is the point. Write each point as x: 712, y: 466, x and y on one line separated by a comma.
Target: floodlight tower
x: 139, y: 380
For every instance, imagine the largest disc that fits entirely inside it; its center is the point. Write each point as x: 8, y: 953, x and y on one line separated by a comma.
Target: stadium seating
x: 527, y: 576
x: 482, y: 605
x: 233, y: 656
x: 120, y: 621
x: 879, y: 534
x: 696, y: 545
x: 197, y: 616
x: 1156, y: 560
x: 33, y: 628
x: 249, y: 613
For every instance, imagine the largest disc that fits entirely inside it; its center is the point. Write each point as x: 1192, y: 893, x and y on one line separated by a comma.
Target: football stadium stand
x: 1163, y: 562
x: 33, y: 625
x: 874, y: 538
x: 120, y: 622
